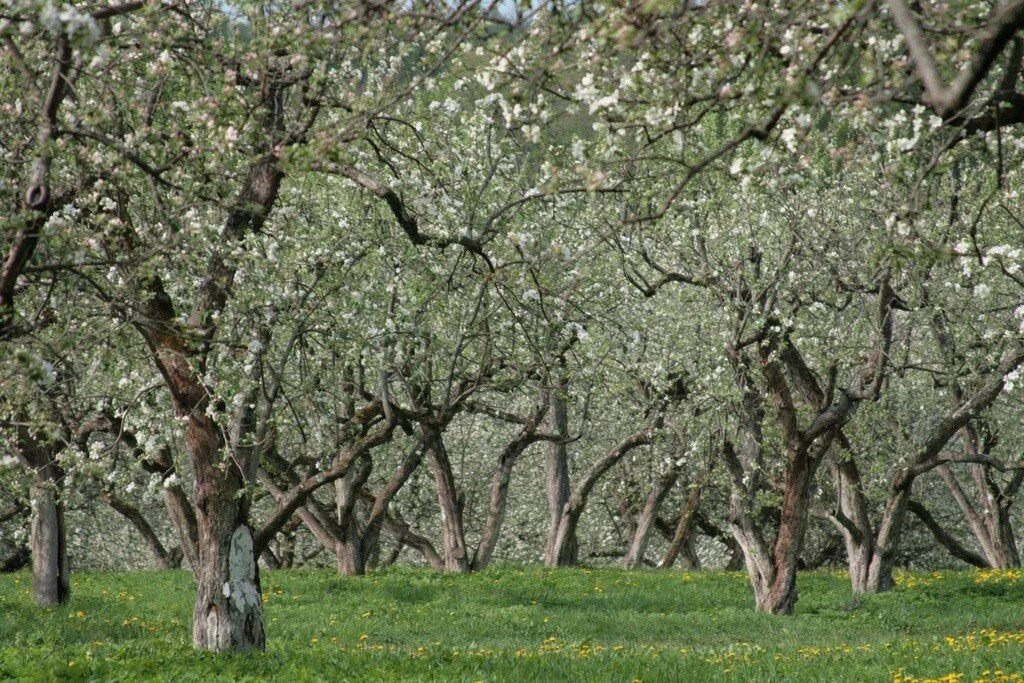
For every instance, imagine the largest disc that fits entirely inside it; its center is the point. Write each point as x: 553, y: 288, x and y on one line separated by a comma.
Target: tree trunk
x: 499, y: 497
x: 495, y: 515
x: 781, y: 594
x: 349, y: 552
x: 404, y: 533
x: 991, y: 524
x: 557, y: 482
x: 857, y: 533
x: 378, y: 505
x: 890, y: 529
x: 456, y: 556
x: 634, y: 556
x: 681, y: 541
x: 228, y: 612
x: 179, y: 509
x: 183, y: 519
x: 945, y: 538
x: 563, y: 549
x: 51, y: 574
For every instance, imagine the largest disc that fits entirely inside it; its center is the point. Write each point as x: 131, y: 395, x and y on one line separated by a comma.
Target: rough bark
x: 781, y: 595
x: 51, y: 574
x: 228, y: 614
x: 557, y: 480
x: 890, y: 530
x: 455, y: 553
x: 853, y: 522
x: 350, y: 552
x: 495, y: 511
x: 746, y: 473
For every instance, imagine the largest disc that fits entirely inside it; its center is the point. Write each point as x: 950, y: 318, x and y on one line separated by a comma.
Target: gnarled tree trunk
x: 228, y: 613
x: 853, y: 522
x: 890, y: 530
x: 349, y: 549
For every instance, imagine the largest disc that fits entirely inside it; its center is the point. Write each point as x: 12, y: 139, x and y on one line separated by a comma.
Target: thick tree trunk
x: 634, y: 556
x: 564, y: 550
x: 456, y: 556
x: 349, y: 553
x: 349, y: 550
x: 557, y: 482
x: 228, y: 612
x: 781, y: 594
x: 51, y: 574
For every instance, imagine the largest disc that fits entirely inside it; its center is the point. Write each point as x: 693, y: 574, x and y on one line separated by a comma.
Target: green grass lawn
x: 527, y: 624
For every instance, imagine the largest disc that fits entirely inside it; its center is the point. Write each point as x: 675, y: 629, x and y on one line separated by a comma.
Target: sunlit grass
x: 528, y: 624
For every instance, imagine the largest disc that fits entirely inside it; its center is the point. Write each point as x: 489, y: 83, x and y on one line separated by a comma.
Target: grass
x: 527, y: 624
